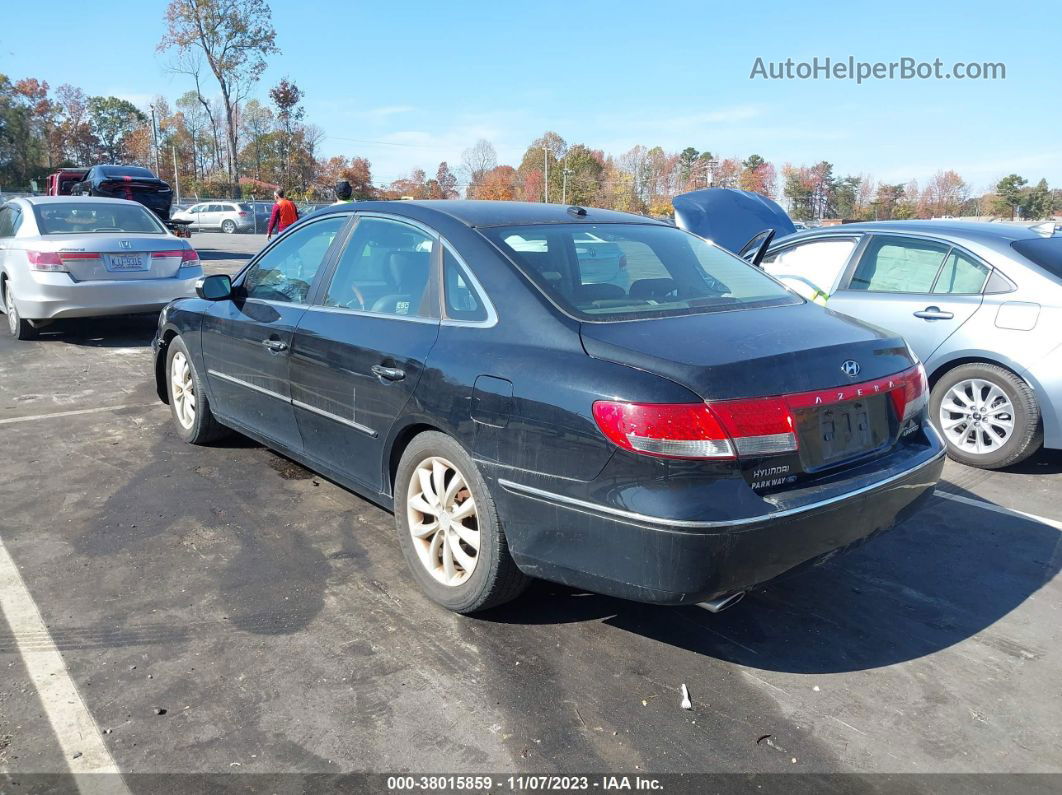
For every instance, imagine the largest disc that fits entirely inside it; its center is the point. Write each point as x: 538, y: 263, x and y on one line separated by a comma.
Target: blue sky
x: 411, y: 83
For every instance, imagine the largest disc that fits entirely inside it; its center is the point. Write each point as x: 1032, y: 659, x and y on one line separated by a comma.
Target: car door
x: 210, y: 217
x: 812, y: 267
x: 359, y: 351
x: 920, y: 288
x: 246, y: 340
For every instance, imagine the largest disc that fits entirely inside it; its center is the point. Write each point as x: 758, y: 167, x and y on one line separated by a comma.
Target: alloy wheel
x: 443, y: 521
x: 977, y: 416
x: 12, y: 313
x: 182, y: 389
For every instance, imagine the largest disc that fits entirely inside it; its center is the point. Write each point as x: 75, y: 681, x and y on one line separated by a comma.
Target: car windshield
x: 81, y: 218
x: 1044, y: 251
x: 126, y: 171
x: 602, y: 272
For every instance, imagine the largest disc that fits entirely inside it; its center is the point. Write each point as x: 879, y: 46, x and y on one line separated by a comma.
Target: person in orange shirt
x: 284, y: 214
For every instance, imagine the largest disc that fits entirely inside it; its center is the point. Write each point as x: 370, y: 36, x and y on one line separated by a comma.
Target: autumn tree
x: 287, y: 99
x: 498, y: 184
x: 234, y: 37
x: 446, y: 182
x: 757, y: 175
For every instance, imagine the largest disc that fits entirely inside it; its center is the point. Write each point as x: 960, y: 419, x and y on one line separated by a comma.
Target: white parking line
x: 75, y: 412
x: 988, y: 506
x: 74, y: 727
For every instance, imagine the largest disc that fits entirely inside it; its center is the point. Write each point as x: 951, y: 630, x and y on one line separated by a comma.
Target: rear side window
x: 1044, y: 251
x: 898, y: 265
x: 85, y: 218
x: 629, y: 271
x: 961, y: 275
x: 384, y: 269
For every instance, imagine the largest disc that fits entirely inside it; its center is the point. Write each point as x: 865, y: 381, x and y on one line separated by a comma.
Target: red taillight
x: 697, y: 430
x: 242, y: 213
x: 189, y: 256
x: 56, y: 261
x: 910, y: 397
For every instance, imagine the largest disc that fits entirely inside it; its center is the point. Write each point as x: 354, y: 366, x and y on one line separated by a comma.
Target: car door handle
x: 388, y: 373
x: 934, y: 313
x: 275, y: 345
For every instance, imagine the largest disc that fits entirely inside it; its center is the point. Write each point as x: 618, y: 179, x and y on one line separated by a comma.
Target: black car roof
x: 500, y: 213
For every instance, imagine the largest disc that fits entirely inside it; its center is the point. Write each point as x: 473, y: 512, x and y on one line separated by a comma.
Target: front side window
x: 635, y: 270
x: 286, y: 271
x: 385, y: 269
x: 84, y: 218
x: 961, y: 275
x: 898, y: 265
x: 816, y: 264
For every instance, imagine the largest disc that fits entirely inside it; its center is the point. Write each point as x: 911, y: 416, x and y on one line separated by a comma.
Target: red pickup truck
x: 60, y: 183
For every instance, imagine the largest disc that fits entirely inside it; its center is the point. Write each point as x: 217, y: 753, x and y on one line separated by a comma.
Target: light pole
x: 564, y: 185
x: 176, y: 177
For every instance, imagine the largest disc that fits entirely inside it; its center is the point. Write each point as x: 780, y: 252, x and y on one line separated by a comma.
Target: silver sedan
x: 75, y: 256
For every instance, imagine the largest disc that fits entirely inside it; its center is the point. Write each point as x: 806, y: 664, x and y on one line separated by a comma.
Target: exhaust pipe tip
x: 721, y: 603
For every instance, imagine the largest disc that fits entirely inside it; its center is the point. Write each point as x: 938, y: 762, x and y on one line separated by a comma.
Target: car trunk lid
x: 841, y: 379
x: 112, y: 258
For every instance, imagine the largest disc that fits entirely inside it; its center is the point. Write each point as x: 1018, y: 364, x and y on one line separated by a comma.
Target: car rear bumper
x: 665, y: 561
x: 54, y: 295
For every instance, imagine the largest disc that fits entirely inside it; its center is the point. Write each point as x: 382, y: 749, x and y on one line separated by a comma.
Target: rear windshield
x: 126, y: 171
x: 83, y: 218
x: 1044, y: 251
x: 630, y: 271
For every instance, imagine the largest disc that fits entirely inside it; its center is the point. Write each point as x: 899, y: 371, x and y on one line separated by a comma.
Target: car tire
x: 440, y: 559
x: 189, y: 405
x: 228, y: 227
x: 19, y: 327
x: 1000, y: 429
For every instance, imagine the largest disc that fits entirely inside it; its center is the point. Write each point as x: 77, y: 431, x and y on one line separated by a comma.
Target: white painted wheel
x: 976, y: 416
x: 12, y: 313
x: 182, y: 389
x: 443, y: 522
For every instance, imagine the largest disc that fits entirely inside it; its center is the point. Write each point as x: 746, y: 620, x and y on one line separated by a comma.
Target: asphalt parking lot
x: 223, y: 610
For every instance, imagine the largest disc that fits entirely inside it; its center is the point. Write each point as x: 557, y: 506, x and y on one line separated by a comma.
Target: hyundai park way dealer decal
x: 771, y: 476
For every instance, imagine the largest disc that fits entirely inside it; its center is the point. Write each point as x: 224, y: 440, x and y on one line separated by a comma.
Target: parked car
x: 679, y: 441
x: 127, y: 182
x: 67, y: 256
x: 980, y: 304
x: 223, y: 216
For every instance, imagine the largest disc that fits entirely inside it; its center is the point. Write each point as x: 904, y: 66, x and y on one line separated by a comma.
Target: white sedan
x: 77, y: 256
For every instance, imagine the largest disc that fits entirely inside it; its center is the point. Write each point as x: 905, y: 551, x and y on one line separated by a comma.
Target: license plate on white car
x: 125, y: 262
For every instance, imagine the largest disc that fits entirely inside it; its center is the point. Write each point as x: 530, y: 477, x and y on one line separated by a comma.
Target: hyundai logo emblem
x: 125, y: 244
x: 851, y: 368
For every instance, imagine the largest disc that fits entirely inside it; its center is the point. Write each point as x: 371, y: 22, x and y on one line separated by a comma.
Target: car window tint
x: 83, y: 218
x: 636, y: 270
x: 961, y: 275
x: 816, y: 263
x: 462, y: 300
x: 7, y: 222
x: 285, y: 272
x: 898, y: 265
x: 214, y: 208
x: 385, y: 269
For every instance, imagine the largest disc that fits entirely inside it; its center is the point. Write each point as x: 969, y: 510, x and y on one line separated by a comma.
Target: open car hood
x: 730, y: 217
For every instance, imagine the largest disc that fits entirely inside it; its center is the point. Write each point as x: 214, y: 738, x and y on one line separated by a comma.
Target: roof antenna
x: 575, y: 210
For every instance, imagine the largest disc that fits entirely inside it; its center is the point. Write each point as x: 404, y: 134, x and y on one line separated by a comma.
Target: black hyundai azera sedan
x: 579, y: 395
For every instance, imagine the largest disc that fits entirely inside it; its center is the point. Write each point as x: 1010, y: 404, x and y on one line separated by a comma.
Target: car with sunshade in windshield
x: 74, y: 257
x: 979, y: 303
x: 679, y: 440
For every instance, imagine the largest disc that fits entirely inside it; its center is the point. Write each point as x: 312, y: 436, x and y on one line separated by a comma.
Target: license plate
x: 125, y: 262
x: 845, y: 430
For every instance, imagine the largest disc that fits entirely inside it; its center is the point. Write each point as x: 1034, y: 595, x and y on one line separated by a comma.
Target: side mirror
x: 214, y: 288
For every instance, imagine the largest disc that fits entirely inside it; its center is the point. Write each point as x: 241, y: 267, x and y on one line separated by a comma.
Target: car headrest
x: 409, y: 270
x: 652, y: 288
x: 585, y: 293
